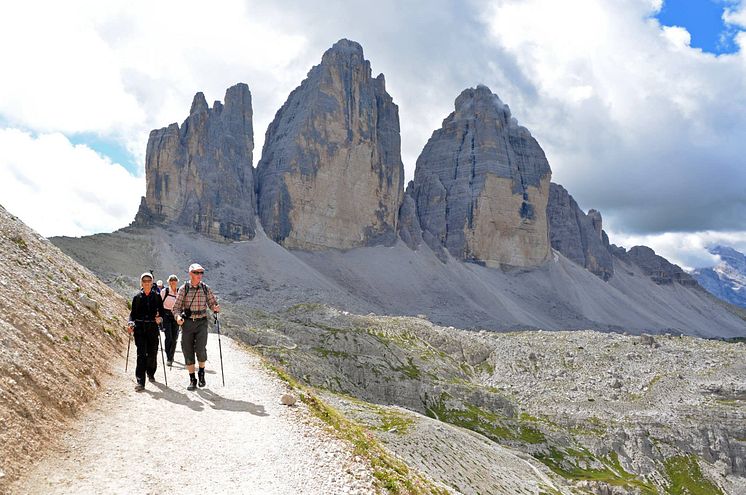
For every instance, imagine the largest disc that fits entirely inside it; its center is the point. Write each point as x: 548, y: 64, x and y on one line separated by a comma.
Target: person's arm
x: 212, y: 301
x: 179, y: 303
x: 177, y: 309
x: 159, y: 310
x: 133, y: 311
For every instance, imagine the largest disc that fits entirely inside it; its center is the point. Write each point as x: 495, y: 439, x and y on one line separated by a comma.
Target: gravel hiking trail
x: 233, y: 439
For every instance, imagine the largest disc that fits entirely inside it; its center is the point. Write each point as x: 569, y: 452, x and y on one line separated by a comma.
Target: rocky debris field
x: 606, y: 412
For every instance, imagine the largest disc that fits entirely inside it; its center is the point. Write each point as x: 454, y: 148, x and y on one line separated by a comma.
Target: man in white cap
x: 145, y: 316
x: 190, y: 310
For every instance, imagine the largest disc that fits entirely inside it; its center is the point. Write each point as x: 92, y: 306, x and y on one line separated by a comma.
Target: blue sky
x: 704, y: 21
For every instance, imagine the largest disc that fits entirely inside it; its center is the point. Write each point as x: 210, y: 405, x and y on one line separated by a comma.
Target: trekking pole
x: 127, y: 360
x: 220, y: 348
x: 163, y: 360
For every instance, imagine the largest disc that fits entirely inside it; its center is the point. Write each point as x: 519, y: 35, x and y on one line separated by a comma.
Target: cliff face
x: 200, y: 175
x: 481, y: 186
x: 331, y: 174
x: 577, y: 235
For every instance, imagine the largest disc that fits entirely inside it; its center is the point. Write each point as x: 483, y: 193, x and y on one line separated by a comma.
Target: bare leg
x: 190, y: 367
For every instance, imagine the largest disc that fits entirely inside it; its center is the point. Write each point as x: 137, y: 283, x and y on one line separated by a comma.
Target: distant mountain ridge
x: 727, y: 279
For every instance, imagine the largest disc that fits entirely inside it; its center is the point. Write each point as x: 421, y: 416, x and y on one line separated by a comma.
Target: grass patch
x: 20, y: 242
x: 391, y: 419
x: 391, y: 474
x: 686, y: 478
x: 324, y: 352
x: 580, y: 465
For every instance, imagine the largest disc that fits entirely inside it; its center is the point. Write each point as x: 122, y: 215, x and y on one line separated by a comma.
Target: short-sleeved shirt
x: 195, y: 299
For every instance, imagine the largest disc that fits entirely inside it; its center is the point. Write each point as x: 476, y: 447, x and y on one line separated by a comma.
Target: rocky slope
x: 727, y: 279
x: 59, y: 329
x: 396, y: 280
x: 331, y: 174
x: 481, y: 186
x: 603, y: 413
x: 200, y: 175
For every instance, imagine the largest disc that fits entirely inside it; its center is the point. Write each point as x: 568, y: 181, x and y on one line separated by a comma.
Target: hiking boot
x: 201, y: 375
x: 192, y: 384
x: 139, y: 387
x: 151, y: 379
x: 170, y: 362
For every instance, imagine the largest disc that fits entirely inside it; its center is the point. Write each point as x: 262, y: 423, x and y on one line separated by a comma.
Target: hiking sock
x: 202, y: 382
x: 192, y: 382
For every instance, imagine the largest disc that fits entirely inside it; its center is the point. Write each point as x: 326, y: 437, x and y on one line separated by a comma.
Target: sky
x: 640, y: 105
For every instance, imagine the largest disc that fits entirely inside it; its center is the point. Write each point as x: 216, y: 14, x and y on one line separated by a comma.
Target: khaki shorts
x: 194, y: 340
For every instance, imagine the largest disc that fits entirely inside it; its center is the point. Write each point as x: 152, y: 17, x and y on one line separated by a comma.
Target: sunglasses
x: 199, y: 273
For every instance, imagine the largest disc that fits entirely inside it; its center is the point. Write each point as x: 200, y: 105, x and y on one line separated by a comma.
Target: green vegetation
x: 488, y: 423
x: 20, y: 242
x: 67, y: 301
x: 686, y: 477
x: 391, y: 474
x: 580, y: 464
x: 330, y: 352
x: 391, y: 419
x: 410, y: 369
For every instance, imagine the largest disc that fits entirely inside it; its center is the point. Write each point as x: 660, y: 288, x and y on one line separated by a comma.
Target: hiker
x: 190, y: 310
x: 170, y: 328
x: 145, y: 316
x: 159, y: 286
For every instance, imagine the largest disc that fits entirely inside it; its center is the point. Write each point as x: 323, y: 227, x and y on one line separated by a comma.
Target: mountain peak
x: 199, y: 104
x: 345, y: 47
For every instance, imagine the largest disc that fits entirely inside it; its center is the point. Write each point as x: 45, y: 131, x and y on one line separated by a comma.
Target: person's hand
x: 131, y: 327
x: 158, y: 320
x: 216, y: 309
x: 179, y: 320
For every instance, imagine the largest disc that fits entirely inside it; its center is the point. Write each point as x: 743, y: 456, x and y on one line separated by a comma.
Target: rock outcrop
x: 331, y: 174
x: 481, y: 185
x: 578, y: 236
x: 409, y: 225
x: 659, y: 269
x: 200, y: 175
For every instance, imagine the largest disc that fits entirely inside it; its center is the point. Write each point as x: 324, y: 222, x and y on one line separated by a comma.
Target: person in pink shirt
x: 170, y: 328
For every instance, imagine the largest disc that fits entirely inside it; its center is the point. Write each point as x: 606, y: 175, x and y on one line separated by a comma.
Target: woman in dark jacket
x: 145, y: 316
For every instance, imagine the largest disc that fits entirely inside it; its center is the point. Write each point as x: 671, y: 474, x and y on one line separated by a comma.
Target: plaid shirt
x: 195, y: 300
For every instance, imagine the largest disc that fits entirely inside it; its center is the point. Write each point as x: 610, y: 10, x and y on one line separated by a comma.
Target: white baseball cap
x: 195, y: 267
x: 146, y: 274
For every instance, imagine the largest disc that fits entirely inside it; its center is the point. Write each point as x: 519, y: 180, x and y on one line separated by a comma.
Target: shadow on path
x: 224, y: 404
x: 172, y: 395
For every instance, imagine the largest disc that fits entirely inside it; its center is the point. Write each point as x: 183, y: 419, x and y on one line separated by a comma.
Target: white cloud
x: 688, y: 250
x: 635, y: 121
x: 736, y: 15
x: 58, y: 188
x: 120, y: 69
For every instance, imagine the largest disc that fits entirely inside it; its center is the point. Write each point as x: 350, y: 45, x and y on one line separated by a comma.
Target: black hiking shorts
x: 194, y: 340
